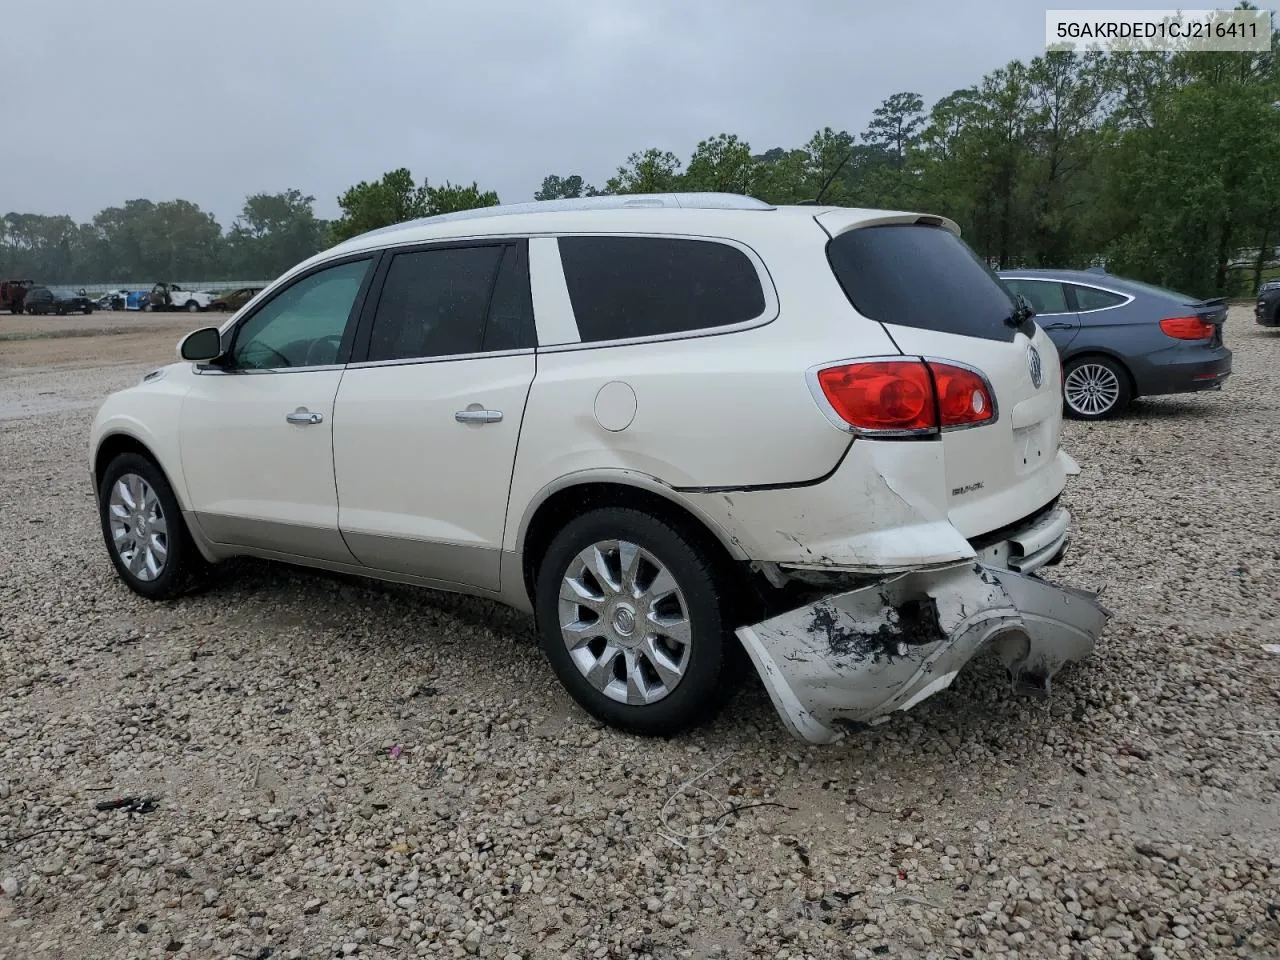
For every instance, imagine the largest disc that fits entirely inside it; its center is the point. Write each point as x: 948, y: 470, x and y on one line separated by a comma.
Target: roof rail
x: 685, y: 201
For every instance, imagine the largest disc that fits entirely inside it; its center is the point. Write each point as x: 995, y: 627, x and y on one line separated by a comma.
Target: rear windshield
x: 916, y: 275
x: 1162, y: 291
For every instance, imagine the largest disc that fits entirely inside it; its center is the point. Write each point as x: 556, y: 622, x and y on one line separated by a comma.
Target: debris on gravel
x: 344, y: 769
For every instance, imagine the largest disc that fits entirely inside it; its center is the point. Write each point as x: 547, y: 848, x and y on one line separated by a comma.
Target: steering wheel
x: 313, y: 359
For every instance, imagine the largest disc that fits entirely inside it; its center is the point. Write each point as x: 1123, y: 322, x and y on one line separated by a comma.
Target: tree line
x: 1162, y: 166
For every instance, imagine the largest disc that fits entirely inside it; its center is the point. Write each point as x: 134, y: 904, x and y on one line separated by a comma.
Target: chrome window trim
x: 445, y: 358
x: 208, y: 371
x: 1128, y: 297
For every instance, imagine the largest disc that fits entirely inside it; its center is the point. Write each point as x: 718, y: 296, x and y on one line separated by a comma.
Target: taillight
x: 1186, y: 328
x: 906, y: 397
x: 881, y: 396
x: 964, y: 400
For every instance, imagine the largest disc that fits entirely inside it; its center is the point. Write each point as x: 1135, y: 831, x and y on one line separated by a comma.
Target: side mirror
x: 200, y: 345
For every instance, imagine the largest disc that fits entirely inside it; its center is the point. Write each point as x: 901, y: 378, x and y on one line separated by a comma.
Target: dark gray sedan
x: 1119, y: 339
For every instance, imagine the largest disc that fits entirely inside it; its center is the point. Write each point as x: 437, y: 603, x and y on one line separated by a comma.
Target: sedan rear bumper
x: 1174, y: 372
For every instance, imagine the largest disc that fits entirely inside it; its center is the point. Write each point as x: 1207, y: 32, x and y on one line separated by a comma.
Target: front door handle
x: 1060, y: 326
x: 478, y: 416
x: 304, y: 417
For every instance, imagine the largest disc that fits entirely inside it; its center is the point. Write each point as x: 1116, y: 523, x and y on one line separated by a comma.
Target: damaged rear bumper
x: 853, y: 659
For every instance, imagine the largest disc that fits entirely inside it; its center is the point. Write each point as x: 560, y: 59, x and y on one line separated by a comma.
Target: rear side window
x: 511, y: 325
x: 1091, y: 298
x: 624, y: 287
x: 915, y: 275
x: 1045, y: 296
x: 434, y: 303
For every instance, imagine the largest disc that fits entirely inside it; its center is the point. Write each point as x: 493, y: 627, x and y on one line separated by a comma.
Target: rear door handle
x: 478, y: 416
x: 1060, y: 326
x: 304, y: 417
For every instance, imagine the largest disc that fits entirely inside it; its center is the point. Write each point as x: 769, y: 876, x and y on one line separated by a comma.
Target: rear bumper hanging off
x: 852, y: 659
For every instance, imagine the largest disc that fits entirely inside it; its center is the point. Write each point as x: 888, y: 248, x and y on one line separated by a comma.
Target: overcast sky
x: 210, y: 100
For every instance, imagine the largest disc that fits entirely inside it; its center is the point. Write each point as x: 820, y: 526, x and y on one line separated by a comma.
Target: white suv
x: 656, y: 423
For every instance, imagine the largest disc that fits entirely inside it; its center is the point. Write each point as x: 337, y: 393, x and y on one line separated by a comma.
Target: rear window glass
x: 1162, y: 291
x: 1091, y: 298
x: 915, y: 275
x: 624, y: 287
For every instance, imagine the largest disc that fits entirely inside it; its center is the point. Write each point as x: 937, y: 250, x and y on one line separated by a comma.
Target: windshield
x: 916, y: 275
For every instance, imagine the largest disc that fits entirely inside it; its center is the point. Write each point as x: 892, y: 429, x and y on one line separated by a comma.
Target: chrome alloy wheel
x: 625, y: 622
x: 139, y: 531
x: 1091, y: 389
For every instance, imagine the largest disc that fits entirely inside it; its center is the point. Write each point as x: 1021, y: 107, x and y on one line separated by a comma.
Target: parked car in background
x: 170, y: 296
x: 1119, y: 339
x: 1267, y: 310
x: 12, y: 294
x: 112, y: 300
x: 234, y: 299
x: 666, y: 425
x: 137, y: 300
x: 43, y: 300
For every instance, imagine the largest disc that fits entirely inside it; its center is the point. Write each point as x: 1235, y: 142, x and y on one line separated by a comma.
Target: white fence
x: 100, y: 288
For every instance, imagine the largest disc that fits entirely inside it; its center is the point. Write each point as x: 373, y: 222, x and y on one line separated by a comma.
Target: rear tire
x: 1095, y: 388
x: 192, y: 306
x: 143, y: 529
x: 632, y: 619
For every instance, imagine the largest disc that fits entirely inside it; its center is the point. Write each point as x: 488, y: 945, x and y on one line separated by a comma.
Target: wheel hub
x: 624, y: 621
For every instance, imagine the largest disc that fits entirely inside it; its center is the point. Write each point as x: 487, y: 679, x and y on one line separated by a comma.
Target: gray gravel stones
x: 1134, y: 813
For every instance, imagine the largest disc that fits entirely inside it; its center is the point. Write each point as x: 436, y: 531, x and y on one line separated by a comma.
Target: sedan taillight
x: 907, y: 397
x: 1186, y: 328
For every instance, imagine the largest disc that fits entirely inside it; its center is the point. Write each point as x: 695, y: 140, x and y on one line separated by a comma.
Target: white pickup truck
x: 170, y: 296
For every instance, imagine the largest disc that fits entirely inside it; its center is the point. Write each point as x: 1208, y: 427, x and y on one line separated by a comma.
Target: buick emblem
x: 1037, y: 371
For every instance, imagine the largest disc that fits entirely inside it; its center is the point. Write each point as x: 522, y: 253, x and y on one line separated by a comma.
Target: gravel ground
x: 347, y: 769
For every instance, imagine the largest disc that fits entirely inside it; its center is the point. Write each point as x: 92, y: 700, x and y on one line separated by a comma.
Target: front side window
x: 625, y: 287
x: 1045, y: 296
x: 304, y: 325
x: 434, y: 303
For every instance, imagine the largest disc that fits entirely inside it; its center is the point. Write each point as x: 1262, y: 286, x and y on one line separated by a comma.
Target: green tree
x: 895, y: 126
x: 778, y: 176
x: 179, y: 240
x: 1067, y: 102
x: 564, y: 188
x: 721, y: 164
x: 273, y: 232
x: 367, y: 206
x: 652, y: 171
x: 451, y: 198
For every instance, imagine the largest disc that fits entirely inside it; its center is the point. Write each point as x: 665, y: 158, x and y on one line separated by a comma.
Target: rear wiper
x: 1022, y: 311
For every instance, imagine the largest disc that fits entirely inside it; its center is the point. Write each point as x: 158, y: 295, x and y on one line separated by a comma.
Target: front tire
x: 192, y: 306
x: 143, y: 529
x: 1095, y: 388
x: 632, y: 619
